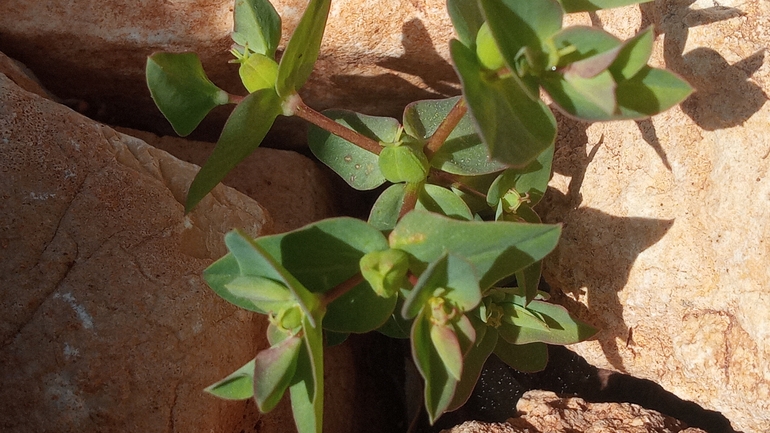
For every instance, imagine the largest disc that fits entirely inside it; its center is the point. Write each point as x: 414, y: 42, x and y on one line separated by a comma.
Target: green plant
x: 450, y: 256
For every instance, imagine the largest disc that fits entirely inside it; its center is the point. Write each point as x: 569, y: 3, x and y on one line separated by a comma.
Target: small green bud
x: 385, y: 271
x: 258, y: 72
x: 288, y: 319
x: 403, y: 163
x: 487, y: 51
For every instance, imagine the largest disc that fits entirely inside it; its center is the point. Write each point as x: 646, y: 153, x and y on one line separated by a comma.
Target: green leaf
x: 358, y: 167
x: 520, y: 316
x: 404, y: 163
x: 571, y: 6
x: 528, y: 279
x: 463, y: 152
x: 650, y: 92
x: 519, y: 24
x: 385, y: 271
x: 515, y: 128
x: 527, y: 358
x: 634, y: 55
x: 466, y: 18
x: 181, y: 90
x: 591, y: 99
x: 455, y: 280
x: 433, y: 198
x: 474, y: 362
x: 447, y: 346
x: 247, y: 126
x: 562, y: 327
x: 581, y: 42
x: 495, y: 249
x: 257, y: 26
x: 530, y: 181
x: 486, y: 49
x: 258, y: 72
x: 254, y: 260
x: 325, y: 254
x: 273, y: 371
x: 439, y: 385
x: 237, y: 386
x: 307, y: 386
x: 265, y: 294
x: 302, y: 50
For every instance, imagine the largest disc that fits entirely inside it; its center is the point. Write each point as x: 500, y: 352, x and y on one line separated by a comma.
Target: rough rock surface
x: 293, y: 189
x: 545, y: 412
x: 666, y: 221
x: 106, y: 323
x: 94, y: 51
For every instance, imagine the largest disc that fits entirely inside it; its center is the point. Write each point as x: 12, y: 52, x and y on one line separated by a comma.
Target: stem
x: 341, y: 288
x: 410, y: 199
x: 446, y: 127
x: 451, y: 180
x: 235, y: 99
x: 318, y: 119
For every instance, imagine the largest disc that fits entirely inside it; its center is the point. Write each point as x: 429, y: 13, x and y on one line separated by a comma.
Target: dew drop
x: 357, y: 166
x: 348, y: 158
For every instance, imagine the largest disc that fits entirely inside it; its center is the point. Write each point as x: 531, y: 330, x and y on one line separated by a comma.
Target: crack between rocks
x: 171, y: 428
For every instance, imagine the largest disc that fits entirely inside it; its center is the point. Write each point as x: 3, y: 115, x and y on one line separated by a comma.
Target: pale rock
x: 376, y: 56
x: 545, y: 412
x: 107, y: 324
x: 667, y: 221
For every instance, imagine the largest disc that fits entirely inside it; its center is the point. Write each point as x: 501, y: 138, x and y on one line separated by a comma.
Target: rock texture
x: 545, y: 412
x: 106, y: 323
x: 94, y: 51
x: 667, y: 221
x: 293, y: 189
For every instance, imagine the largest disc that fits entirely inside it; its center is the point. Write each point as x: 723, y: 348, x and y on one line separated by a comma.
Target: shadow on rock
x: 724, y: 97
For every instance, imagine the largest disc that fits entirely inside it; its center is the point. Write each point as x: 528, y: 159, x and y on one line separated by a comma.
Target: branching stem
x: 303, y: 111
x: 446, y: 127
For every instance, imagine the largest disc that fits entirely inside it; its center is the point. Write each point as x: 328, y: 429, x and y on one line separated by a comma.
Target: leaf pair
x: 185, y: 95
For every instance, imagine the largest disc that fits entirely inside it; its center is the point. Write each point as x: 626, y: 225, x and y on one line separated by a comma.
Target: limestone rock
x: 667, y: 221
x: 105, y: 321
x: 293, y: 189
x: 375, y: 62
x: 545, y: 412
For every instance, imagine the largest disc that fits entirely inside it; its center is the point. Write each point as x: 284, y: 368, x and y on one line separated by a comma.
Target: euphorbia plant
x: 450, y: 255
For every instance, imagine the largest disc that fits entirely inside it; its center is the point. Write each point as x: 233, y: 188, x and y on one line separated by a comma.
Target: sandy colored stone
x: 293, y: 189
x: 107, y: 324
x: 89, y: 50
x: 545, y: 412
x: 666, y: 221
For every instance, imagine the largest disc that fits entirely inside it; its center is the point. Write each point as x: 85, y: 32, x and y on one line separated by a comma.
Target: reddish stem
x: 410, y: 199
x: 342, y: 288
x: 318, y: 119
x: 446, y: 127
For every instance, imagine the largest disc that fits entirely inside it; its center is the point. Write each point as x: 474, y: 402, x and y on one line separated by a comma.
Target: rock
x: 666, y: 221
x: 107, y: 324
x: 293, y: 189
x: 375, y: 62
x: 545, y: 412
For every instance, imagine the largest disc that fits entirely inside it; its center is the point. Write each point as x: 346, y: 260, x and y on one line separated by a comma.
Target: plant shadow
x: 724, y: 96
x: 390, y: 91
x: 597, y: 250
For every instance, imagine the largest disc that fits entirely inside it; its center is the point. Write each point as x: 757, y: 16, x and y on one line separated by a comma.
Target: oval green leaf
x: 358, y: 167
x: 257, y: 26
x: 273, y: 371
x: 181, y: 90
x: 515, y: 128
x: 571, y: 6
x: 527, y: 358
